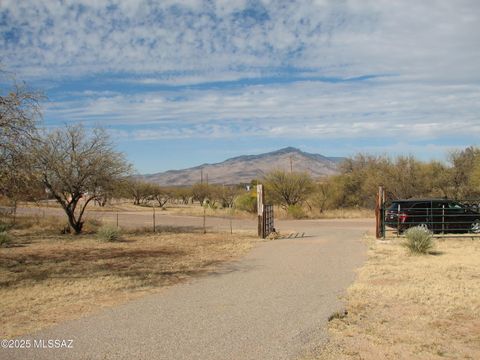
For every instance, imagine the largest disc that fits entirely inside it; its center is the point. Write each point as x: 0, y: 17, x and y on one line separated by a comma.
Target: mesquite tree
x: 19, y: 115
x: 77, y: 166
x: 288, y: 188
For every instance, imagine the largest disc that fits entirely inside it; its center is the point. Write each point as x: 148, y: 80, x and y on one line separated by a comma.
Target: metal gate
x: 268, y: 222
x: 440, y: 216
x: 265, y: 214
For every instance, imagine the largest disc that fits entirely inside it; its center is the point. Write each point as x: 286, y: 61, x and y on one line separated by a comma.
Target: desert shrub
x: 109, y: 233
x: 246, y: 202
x: 212, y: 205
x: 92, y: 225
x: 296, y: 212
x: 418, y: 240
x: 4, y: 227
x: 5, y: 239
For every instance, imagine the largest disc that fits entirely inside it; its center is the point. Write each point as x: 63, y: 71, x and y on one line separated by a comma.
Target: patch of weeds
x: 418, y: 240
x: 340, y: 314
x: 109, y: 233
x: 296, y: 212
x: 165, y: 229
x: 91, y: 226
x: 274, y: 235
x: 441, y: 353
x: 4, y: 227
x: 5, y: 239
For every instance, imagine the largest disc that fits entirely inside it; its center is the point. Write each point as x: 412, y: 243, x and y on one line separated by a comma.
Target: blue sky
x: 180, y: 83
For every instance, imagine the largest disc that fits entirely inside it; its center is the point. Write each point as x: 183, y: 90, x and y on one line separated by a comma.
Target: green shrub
x: 246, y: 202
x: 418, y: 240
x: 109, y: 233
x: 296, y: 212
x: 5, y: 239
x: 212, y: 205
x: 4, y: 227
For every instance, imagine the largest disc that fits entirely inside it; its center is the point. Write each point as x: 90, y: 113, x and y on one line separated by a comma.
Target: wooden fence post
x: 154, y: 222
x: 378, y: 212
x: 204, y: 219
x: 260, y: 201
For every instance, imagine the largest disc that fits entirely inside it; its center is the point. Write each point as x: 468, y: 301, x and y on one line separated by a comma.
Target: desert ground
x: 324, y: 290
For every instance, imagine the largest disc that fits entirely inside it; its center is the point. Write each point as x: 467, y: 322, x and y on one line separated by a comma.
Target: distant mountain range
x: 243, y: 169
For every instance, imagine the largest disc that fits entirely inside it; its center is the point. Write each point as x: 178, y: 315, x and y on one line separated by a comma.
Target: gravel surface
x: 272, y: 304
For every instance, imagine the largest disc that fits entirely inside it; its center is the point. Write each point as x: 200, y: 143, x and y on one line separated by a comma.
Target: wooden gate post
x: 379, y: 213
x: 260, y: 212
x: 154, y: 219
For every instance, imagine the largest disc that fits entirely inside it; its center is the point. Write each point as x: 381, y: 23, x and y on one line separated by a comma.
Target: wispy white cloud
x: 302, y: 109
x: 73, y: 38
x: 429, y: 50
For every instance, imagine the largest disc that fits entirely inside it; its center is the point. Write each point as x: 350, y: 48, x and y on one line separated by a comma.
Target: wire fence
x: 149, y: 220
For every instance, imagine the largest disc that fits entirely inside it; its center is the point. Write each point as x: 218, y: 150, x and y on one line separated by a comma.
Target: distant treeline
x: 403, y: 177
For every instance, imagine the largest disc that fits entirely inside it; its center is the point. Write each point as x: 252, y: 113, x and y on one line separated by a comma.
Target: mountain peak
x: 286, y: 150
x: 283, y: 151
x: 242, y: 169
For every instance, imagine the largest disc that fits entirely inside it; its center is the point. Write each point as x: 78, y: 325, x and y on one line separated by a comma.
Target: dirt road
x: 272, y: 304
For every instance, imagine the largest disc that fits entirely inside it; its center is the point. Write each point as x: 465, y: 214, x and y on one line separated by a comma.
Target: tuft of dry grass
x: 48, y: 279
x: 411, y: 307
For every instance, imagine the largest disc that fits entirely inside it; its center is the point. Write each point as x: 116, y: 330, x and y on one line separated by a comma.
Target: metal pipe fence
x: 442, y: 217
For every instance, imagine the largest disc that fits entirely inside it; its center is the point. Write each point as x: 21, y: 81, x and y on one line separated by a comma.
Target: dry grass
x: 170, y: 209
x: 37, y: 225
x: 412, y: 307
x: 46, y: 279
x: 346, y: 214
x: 197, y: 210
x: 350, y: 213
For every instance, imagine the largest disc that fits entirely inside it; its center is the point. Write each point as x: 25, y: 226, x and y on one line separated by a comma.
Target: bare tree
x: 228, y: 194
x: 183, y: 194
x: 161, y: 195
x: 320, y: 196
x: 19, y: 115
x: 201, y: 192
x: 288, y: 189
x: 140, y: 191
x: 77, y: 166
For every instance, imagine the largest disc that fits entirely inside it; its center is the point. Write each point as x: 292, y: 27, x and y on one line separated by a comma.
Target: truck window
x: 421, y: 206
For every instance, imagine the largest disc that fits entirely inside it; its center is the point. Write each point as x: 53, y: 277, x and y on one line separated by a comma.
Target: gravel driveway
x: 271, y: 304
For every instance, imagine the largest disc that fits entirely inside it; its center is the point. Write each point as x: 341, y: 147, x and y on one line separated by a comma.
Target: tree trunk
x: 75, y: 224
